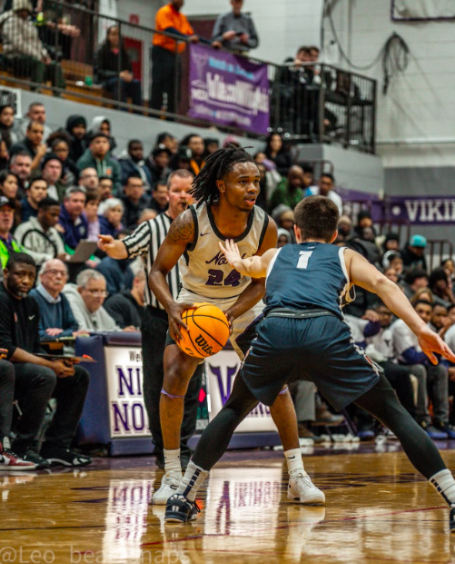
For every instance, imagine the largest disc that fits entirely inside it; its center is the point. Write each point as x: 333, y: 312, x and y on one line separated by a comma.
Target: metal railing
x: 308, y: 103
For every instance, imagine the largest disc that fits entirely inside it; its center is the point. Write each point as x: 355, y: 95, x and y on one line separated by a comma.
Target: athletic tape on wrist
x: 163, y: 391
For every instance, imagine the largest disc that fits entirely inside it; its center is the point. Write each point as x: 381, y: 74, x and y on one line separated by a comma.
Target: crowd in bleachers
x: 60, y: 188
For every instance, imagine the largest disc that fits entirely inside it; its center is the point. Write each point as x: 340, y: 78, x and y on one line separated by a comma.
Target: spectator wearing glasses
x: 37, y: 379
x: 88, y: 179
x: 86, y: 299
x: 56, y: 317
x: 106, y: 188
x: 39, y: 237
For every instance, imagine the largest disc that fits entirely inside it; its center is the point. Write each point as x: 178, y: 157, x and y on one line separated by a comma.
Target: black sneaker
x: 180, y: 510
x: 445, y: 428
x: 32, y: 456
x: 452, y: 519
x: 60, y: 456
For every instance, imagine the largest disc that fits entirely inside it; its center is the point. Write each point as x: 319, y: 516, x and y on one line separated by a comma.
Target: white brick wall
x: 419, y: 106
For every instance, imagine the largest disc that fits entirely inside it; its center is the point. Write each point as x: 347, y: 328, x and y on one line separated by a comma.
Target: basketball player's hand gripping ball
x: 204, y: 332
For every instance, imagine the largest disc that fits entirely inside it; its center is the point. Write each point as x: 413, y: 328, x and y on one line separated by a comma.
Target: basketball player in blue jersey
x: 304, y: 336
x: 226, y: 191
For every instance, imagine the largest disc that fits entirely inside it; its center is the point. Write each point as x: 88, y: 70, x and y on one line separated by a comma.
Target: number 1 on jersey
x: 304, y: 259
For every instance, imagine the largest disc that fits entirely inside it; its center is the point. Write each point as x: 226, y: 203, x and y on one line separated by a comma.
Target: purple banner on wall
x: 228, y: 90
x: 437, y: 210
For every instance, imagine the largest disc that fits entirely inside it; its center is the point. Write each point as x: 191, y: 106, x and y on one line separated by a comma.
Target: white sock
x: 192, y: 481
x: 172, y: 461
x: 294, y: 461
x: 444, y: 484
x: 6, y: 443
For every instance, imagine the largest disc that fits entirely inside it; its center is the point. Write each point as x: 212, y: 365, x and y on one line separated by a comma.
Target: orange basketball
x: 208, y: 331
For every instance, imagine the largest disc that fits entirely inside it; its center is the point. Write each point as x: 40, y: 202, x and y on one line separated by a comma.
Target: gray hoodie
x: 100, y: 320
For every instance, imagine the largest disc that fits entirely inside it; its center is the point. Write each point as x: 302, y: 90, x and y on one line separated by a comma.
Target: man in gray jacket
x: 86, y: 299
x: 235, y: 30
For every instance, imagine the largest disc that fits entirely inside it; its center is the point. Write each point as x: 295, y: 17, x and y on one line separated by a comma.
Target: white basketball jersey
x: 203, y: 267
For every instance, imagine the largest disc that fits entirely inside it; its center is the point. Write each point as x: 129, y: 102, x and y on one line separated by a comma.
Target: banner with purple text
x: 228, y: 89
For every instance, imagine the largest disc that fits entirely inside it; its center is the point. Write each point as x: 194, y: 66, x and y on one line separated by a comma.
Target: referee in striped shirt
x: 146, y: 240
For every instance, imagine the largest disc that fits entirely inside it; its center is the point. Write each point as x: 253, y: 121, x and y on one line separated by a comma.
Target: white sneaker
x: 302, y: 490
x: 169, y: 485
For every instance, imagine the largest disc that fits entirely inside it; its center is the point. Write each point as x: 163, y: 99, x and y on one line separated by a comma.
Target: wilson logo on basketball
x: 202, y: 343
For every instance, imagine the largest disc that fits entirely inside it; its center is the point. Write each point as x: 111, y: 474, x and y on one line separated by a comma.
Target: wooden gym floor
x: 378, y: 511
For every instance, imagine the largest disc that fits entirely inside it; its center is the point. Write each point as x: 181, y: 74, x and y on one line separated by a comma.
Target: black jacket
x: 110, y: 65
x: 19, y: 323
x: 78, y: 146
x: 133, y: 211
x: 411, y: 260
x: 124, y: 309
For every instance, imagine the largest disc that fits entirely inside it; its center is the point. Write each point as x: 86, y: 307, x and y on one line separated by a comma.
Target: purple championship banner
x: 228, y: 89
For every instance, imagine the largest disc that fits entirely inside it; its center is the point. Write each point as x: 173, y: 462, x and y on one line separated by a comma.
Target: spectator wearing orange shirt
x: 165, y: 55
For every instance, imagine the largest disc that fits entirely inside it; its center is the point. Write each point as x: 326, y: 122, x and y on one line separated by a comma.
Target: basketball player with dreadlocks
x: 226, y: 191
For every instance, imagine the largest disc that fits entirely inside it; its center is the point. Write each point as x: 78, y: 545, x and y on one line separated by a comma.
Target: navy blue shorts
x: 319, y: 349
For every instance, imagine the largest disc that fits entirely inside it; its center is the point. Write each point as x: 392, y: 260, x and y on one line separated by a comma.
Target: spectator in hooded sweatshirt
x: 414, y: 253
x: 132, y: 162
x: 158, y: 164
x: 38, y: 235
x: 101, y: 124
x: 97, y: 156
x: 76, y: 126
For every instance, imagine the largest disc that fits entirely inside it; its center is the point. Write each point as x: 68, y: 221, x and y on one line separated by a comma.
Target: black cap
x: 4, y: 201
x: 185, y: 153
x: 49, y: 157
